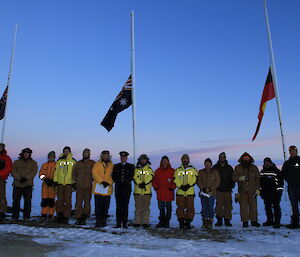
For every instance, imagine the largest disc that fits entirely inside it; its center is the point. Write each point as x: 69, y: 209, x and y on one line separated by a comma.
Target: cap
x: 105, y: 152
x: 123, y: 153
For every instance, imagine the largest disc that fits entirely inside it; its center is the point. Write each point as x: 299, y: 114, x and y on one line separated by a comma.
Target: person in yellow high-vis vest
x: 143, y: 176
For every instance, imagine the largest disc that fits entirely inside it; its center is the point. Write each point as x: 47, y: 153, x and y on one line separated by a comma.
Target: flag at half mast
x: 268, y: 94
x: 122, y: 102
x: 3, y: 103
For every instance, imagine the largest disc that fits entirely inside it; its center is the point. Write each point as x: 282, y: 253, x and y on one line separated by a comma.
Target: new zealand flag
x: 122, y: 102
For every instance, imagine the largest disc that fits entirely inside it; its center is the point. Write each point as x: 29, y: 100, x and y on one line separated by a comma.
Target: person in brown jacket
x: 48, y: 193
x: 208, y: 180
x: 248, y: 178
x: 224, y: 191
x: 23, y: 172
x: 82, y: 175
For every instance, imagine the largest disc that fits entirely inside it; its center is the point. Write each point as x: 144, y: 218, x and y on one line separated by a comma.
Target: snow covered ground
x: 87, y: 241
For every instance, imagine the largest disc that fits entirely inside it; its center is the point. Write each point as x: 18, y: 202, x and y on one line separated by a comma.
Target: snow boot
x: 188, y: 223
x: 294, y: 223
x: 276, y: 225
x: 227, y: 223
x: 203, y: 223
x: 43, y: 217
x: 245, y: 224
x: 50, y: 217
x: 181, y: 223
x: 268, y: 223
x: 255, y: 224
x: 167, y: 223
x: 160, y: 224
x: 2, y: 216
x: 59, y: 217
x: 209, y: 223
x: 219, y: 222
x: 79, y: 221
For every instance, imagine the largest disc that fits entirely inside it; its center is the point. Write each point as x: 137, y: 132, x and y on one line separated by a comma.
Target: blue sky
x: 200, y: 72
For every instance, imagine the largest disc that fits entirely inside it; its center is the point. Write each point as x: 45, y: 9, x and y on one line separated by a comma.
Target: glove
x: 23, y: 180
x: 204, y: 190
x: 142, y: 185
x: 242, y: 178
x: 208, y: 190
x: 105, y: 184
x: 236, y: 198
x: 48, y: 181
x: 185, y: 187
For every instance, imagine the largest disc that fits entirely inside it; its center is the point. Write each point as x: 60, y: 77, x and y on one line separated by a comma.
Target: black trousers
x: 122, y: 201
x: 18, y: 192
x: 273, y: 210
x: 294, y: 195
x: 165, y: 210
x: 101, y: 206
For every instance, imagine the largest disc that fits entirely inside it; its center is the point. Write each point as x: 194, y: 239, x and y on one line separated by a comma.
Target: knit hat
x: 208, y: 160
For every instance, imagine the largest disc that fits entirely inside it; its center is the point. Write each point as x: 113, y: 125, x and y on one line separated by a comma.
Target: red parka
x: 5, y: 165
x: 163, y: 184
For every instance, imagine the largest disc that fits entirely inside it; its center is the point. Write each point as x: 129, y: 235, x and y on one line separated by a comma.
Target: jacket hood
x: 4, y: 152
x: 246, y: 154
x: 70, y: 156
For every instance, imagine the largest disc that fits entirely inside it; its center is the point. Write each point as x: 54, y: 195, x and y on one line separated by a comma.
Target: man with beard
x: 185, y: 177
x: 82, y: 176
x: 271, y: 190
x: 247, y: 176
x: 122, y: 176
x: 24, y: 170
x: 5, y: 170
x: 291, y: 173
x: 102, y: 187
x: 224, y: 191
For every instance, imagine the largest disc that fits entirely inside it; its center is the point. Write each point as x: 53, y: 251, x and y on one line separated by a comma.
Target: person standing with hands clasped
x: 185, y: 177
x: 208, y: 181
x: 164, y: 186
x: 143, y: 176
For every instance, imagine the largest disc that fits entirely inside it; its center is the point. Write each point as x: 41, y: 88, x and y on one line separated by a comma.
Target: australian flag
x: 3, y: 103
x: 122, y: 102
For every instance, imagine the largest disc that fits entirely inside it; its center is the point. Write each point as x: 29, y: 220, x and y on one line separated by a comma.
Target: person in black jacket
x: 122, y: 175
x: 224, y: 192
x: 291, y: 173
x: 271, y: 183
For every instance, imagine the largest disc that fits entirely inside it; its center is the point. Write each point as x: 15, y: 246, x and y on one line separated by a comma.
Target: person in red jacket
x: 164, y: 186
x: 5, y: 170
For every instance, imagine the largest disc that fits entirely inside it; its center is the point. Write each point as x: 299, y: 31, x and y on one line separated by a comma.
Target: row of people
x: 87, y: 177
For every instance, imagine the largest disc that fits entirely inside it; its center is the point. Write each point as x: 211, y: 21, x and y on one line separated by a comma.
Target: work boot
x: 98, y: 223
x: 203, y: 223
x: 255, y: 224
x: 160, y: 224
x: 227, y: 223
x: 167, y: 223
x: 219, y: 222
x: 43, y: 217
x: 294, y: 223
x: 181, y: 223
x: 188, y: 223
x: 245, y: 224
x: 59, y: 217
x: 50, y: 217
x: 2, y: 216
x: 268, y: 223
x: 209, y: 223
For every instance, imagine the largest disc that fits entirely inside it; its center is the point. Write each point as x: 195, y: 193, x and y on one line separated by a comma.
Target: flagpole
x: 133, y: 85
x: 8, y: 81
x: 273, y: 71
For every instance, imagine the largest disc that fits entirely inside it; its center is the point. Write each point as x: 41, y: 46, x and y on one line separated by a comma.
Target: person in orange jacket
x: 164, y: 186
x: 102, y: 187
x: 48, y: 193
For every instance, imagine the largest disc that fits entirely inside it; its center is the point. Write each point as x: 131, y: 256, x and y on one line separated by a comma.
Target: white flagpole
x: 133, y: 84
x: 8, y: 81
x: 273, y: 71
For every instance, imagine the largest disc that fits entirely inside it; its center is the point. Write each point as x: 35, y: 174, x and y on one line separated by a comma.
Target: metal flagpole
x: 8, y: 81
x: 273, y: 71
x: 133, y: 84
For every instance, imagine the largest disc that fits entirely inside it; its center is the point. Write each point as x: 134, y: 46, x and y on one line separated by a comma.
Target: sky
x: 200, y: 71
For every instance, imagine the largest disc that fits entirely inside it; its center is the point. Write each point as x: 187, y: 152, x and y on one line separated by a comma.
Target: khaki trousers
x: 142, y: 209
x: 64, y: 200
x: 185, y: 207
x: 224, y: 204
x: 248, y: 207
x: 83, y: 201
